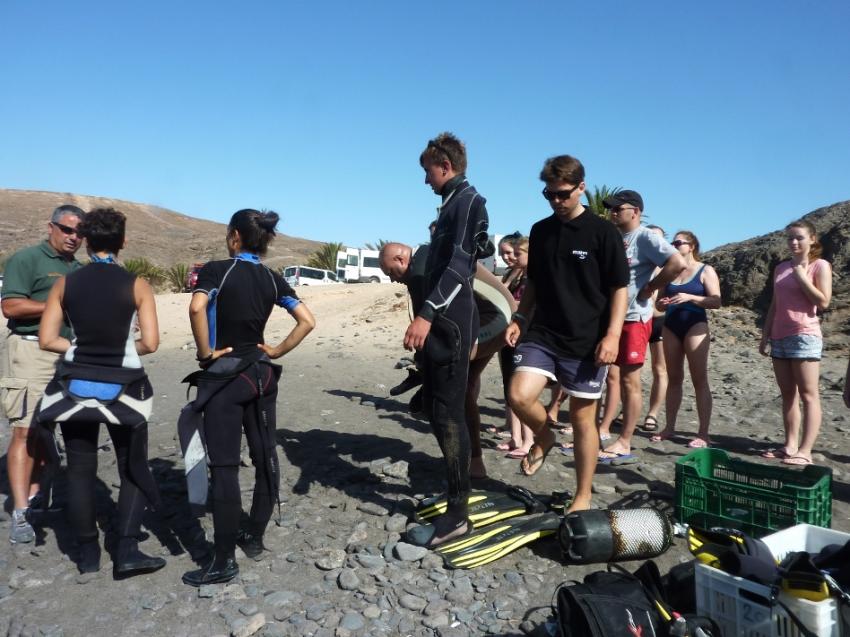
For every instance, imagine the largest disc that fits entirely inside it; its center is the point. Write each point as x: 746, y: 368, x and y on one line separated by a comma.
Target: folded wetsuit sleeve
x: 469, y: 225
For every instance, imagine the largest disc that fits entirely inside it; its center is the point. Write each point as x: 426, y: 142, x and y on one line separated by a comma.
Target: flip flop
x: 650, y: 423
x: 554, y: 425
x: 797, y: 461
x: 505, y: 446
x: 607, y: 457
x: 517, y: 453
x: 698, y: 443
x: 775, y: 454
x: 661, y: 437
x: 533, y: 464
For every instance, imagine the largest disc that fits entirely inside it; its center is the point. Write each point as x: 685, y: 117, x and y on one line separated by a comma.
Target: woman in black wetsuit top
x: 238, y: 383
x: 100, y: 378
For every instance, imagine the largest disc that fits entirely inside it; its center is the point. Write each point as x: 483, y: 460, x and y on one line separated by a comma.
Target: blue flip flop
x: 616, y: 458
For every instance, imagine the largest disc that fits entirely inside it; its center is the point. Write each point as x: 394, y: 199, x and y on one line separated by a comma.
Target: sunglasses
x: 678, y: 242
x: 65, y: 229
x: 562, y: 195
x: 616, y: 211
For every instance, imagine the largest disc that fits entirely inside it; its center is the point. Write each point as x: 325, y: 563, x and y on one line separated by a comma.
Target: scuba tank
x: 598, y: 536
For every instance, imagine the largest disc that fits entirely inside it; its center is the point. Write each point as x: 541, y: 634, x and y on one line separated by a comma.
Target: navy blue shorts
x: 582, y: 379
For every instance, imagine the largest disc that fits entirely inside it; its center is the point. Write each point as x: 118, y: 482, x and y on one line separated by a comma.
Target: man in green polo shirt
x: 29, y: 275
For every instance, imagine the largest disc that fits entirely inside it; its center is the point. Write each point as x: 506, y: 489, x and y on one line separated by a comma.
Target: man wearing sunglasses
x: 29, y: 275
x: 645, y: 251
x: 570, y: 318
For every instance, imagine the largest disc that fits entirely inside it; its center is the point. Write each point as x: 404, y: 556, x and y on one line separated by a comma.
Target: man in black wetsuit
x: 495, y: 305
x: 446, y: 326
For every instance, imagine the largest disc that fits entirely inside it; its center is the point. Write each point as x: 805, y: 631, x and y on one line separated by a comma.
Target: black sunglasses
x: 65, y: 229
x: 563, y: 195
x: 679, y: 242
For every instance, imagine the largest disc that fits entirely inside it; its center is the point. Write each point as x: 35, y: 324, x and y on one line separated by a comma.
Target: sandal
x: 554, y: 425
x: 517, y: 453
x: 531, y: 464
x: 650, y: 423
x: 775, y: 454
x: 797, y: 461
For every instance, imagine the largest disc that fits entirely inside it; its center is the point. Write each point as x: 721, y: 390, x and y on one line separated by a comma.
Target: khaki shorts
x: 28, y: 369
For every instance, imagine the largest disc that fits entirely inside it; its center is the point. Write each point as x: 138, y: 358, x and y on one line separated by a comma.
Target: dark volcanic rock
x: 746, y: 268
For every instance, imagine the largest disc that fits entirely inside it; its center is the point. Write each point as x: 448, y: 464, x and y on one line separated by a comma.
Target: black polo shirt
x: 573, y: 265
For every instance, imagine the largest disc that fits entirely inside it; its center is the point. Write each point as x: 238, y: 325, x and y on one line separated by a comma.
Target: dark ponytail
x: 256, y: 229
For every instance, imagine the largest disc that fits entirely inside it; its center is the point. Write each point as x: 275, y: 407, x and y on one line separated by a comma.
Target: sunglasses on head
x: 562, y: 195
x: 65, y: 229
x: 679, y: 242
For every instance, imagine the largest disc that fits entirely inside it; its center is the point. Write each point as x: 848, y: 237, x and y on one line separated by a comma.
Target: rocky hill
x: 163, y: 236
x: 746, y: 268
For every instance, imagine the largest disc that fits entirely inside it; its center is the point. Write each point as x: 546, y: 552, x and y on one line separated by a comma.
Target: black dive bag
x: 607, y: 604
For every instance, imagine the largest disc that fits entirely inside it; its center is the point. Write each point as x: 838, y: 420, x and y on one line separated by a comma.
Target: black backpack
x: 607, y: 604
x: 616, y: 603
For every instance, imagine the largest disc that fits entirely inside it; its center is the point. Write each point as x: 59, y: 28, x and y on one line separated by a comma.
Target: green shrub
x: 176, y: 275
x: 142, y: 267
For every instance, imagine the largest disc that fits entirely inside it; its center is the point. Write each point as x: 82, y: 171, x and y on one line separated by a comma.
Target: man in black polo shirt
x: 571, y: 315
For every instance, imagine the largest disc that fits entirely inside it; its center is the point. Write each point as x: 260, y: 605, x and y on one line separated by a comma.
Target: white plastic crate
x: 803, y: 537
x: 742, y: 608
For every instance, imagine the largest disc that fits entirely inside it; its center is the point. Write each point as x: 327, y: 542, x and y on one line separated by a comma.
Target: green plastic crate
x: 755, y: 498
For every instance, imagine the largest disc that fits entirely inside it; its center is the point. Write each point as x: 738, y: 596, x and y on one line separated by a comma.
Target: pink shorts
x: 633, y: 342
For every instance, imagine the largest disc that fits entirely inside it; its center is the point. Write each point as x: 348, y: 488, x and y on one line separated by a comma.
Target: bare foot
x: 664, y: 435
x: 618, y: 448
x: 579, y: 504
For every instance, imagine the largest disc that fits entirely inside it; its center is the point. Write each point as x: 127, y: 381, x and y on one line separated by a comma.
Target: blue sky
x: 731, y: 118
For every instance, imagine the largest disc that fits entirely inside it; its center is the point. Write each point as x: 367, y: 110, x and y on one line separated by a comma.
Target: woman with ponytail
x: 237, y: 384
x: 802, y: 286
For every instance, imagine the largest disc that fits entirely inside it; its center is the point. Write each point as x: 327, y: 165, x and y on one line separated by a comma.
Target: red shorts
x: 633, y: 342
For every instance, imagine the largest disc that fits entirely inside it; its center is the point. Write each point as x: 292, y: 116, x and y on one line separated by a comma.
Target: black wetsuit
x: 460, y: 235
x: 100, y: 305
x: 242, y: 294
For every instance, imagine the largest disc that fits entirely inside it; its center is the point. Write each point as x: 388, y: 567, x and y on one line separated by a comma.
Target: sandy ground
x: 353, y: 460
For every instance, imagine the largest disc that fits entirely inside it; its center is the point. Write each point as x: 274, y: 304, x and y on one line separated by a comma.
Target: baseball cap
x: 629, y: 197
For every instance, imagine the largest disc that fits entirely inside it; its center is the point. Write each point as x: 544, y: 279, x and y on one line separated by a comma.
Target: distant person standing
x: 802, y: 286
x: 645, y: 251
x: 570, y: 318
x: 30, y: 274
x: 446, y: 327
x: 686, y: 335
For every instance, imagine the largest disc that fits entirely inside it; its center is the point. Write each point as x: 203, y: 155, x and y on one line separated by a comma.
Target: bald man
x: 495, y: 303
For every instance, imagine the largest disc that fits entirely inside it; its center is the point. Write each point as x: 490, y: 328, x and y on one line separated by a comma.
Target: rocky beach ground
x: 354, y: 463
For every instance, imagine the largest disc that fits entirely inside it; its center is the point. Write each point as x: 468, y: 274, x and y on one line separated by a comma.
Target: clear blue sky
x: 731, y: 118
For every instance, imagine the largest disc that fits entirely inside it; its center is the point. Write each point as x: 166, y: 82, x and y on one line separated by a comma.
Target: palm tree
x: 596, y: 197
x: 325, y: 257
x: 377, y: 246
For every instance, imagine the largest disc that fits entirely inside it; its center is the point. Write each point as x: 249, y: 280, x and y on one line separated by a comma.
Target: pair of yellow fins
x: 739, y: 554
x: 502, y: 522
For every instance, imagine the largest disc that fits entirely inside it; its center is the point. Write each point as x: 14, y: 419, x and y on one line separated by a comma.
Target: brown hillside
x: 163, y: 236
